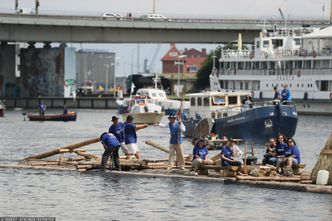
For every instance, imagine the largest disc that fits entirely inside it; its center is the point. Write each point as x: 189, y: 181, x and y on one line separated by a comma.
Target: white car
x: 112, y: 15
x: 155, y: 17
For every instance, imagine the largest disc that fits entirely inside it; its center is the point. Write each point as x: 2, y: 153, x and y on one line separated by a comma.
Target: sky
x: 127, y: 53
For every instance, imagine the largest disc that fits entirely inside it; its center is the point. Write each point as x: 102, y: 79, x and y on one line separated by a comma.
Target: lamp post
x: 179, y: 63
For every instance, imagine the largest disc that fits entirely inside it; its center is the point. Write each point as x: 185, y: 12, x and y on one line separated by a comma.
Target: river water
x: 96, y: 196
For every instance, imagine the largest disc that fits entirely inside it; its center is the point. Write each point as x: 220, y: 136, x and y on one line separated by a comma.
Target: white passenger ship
x: 302, y: 59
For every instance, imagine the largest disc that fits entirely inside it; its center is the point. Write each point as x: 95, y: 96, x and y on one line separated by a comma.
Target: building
x: 96, y: 68
x: 181, y: 67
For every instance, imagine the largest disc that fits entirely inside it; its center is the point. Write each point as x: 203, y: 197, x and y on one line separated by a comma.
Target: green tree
x: 202, y: 81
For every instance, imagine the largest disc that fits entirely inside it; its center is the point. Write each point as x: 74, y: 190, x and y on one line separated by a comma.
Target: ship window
x: 206, y: 101
x: 267, y: 85
x: 232, y: 100
x: 277, y: 43
x: 290, y: 85
x: 298, y: 85
x: 218, y: 100
x: 199, y: 101
x: 297, y: 41
x: 264, y: 65
x: 255, y: 65
x: 298, y: 64
x: 308, y: 85
x: 192, y: 101
x: 248, y: 65
x: 257, y: 44
x: 240, y: 65
x: 323, y: 85
x: 266, y: 44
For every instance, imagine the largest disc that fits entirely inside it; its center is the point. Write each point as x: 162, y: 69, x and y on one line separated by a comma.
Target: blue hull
x: 257, y: 124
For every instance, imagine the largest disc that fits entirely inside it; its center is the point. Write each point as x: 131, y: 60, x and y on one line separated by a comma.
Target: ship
x: 299, y: 58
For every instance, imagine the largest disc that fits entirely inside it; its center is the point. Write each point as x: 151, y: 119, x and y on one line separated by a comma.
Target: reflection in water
x: 104, y: 196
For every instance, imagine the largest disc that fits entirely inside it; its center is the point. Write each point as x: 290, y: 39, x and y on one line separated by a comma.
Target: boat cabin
x: 215, y: 104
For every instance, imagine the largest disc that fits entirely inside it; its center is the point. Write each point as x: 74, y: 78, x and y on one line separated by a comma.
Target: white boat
x: 297, y: 58
x: 144, y: 110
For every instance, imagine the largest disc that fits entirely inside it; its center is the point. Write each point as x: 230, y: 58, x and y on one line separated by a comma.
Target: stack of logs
x: 84, y: 161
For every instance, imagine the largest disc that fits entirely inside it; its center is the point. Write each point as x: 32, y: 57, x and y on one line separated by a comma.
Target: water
x: 96, y: 196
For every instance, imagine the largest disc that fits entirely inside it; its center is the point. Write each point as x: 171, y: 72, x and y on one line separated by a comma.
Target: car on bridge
x: 157, y: 17
x: 113, y: 15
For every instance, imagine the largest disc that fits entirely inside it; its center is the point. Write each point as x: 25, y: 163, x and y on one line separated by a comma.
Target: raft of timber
x: 80, y: 160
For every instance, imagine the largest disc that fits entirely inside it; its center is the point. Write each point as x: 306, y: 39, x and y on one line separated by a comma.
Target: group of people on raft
x: 280, y: 152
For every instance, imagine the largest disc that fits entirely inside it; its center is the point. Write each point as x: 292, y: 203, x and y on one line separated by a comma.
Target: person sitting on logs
x: 292, y: 158
x: 111, y: 146
x: 200, y: 156
x: 270, y: 151
x: 280, y: 150
x: 227, y: 157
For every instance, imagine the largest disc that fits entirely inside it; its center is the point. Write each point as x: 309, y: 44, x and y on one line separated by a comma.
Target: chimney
x: 204, y: 51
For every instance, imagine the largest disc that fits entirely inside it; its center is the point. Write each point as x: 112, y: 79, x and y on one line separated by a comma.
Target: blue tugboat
x: 225, y: 113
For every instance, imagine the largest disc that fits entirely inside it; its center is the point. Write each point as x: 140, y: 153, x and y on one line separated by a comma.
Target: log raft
x: 85, y: 161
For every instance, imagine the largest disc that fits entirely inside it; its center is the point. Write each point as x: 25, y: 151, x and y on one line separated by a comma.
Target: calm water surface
x: 95, y: 196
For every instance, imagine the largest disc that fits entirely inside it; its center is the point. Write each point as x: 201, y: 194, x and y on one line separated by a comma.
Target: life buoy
x: 331, y: 96
x: 298, y: 73
x: 251, y: 55
x: 314, y: 54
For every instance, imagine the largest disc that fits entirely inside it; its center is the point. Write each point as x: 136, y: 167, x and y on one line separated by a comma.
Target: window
x: 173, y: 54
x: 193, y: 68
x: 206, y: 101
x: 265, y: 43
x: 199, y: 101
x: 192, y: 101
x: 232, y: 100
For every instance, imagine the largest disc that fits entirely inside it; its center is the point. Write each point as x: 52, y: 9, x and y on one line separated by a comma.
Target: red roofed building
x: 182, y: 65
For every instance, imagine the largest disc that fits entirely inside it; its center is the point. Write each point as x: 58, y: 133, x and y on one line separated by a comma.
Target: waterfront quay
x: 57, y: 102
x: 304, y: 107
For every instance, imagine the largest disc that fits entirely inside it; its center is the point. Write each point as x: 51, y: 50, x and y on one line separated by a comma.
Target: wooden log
x: 280, y: 179
x: 324, y: 161
x: 64, y: 150
x: 88, y: 155
x: 57, y: 151
x: 216, y: 157
x: 83, y: 166
x: 158, y: 146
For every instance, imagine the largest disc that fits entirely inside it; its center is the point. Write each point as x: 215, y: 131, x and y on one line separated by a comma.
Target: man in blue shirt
x: 42, y: 108
x: 176, y: 128
x: 286, y: 94
x: 131, y: 137
x: 200, y: 155
x: 227, y: 157
x: 117, y: 128
x: 111, y: 146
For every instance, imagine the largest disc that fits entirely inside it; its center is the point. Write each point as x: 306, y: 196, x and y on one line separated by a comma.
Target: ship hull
x: 257, y: 124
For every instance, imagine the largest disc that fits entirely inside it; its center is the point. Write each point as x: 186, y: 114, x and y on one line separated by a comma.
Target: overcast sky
x: 261, y: 9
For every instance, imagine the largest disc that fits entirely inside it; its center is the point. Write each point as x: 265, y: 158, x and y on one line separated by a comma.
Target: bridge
x: 93, y: 29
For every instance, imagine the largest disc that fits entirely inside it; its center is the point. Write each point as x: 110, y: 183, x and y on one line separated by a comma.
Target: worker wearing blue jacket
x: 111, y: 146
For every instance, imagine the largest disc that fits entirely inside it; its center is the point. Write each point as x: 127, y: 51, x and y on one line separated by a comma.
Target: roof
x: 172, y: 54
x: 322, y: 33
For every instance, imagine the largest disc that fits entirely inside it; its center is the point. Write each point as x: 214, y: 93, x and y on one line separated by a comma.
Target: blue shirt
x: 130, y: 133
x: 293, y: 151
x: 118, y: 131
x: 110, y: 141
x: 175, y: 132
x: 280, y: 149
x: 200, y: 151
x: 285, y: 95
x: 228, y: 153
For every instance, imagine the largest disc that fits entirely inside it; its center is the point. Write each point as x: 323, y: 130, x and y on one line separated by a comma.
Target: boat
x: 2, y: 109
x: 300, y: 58
x: 169, y: 106
x: 223, y: 113
x: 70, y: 116
x: 144, y: 110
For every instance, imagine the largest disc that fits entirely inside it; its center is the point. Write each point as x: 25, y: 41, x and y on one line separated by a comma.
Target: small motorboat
x: 70, y: 116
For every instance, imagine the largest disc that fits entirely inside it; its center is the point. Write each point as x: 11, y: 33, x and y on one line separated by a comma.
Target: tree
x: 202, y: 81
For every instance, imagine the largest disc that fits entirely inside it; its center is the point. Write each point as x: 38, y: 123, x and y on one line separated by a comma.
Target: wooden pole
x: 151, y: 143
x: 57, y: 151
x: 245, y: 169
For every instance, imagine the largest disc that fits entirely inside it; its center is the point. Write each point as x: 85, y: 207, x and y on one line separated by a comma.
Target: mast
x: 331, y: 12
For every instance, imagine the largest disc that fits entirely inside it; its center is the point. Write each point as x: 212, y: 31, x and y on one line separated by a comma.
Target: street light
x: 179, y: 63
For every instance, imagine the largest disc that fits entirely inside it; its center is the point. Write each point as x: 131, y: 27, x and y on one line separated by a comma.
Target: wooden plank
x: 276, y: 178
x: 57, y: 151
x: 158, y: 146
x: 216, y: 157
